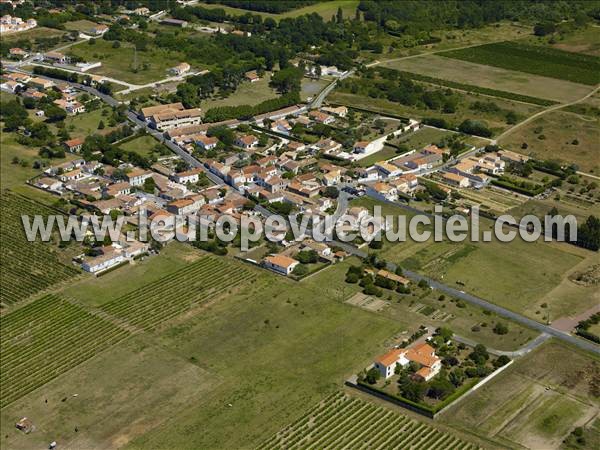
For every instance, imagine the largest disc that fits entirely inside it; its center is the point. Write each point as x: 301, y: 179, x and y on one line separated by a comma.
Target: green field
x: 118, y: 63
x: 586, y: 41
x: 86, y: 124
x: 507, y: 79
x: 560, y: 130
x: 142, y: 145
x: 341, y: 421
x: 80, y: 25
x: 246, y: 94
x: 386, y: 153
x: 532, y: 59
x: 551, y: 392
x: 25, y: 264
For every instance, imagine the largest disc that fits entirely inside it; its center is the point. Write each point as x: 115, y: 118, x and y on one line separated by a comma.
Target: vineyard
x: 46, y: 338
x: 533, y: 59
x: 341, y: 421
x: 173, y: 294
x: 27, y: 267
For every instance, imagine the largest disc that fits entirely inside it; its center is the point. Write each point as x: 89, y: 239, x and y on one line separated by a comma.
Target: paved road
x: 503, y: 312
x: 531, y: 345
x: 318, y: 100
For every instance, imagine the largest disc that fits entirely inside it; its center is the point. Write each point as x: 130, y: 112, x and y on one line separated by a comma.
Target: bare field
x: 492, y: 77
x: 560, y: 129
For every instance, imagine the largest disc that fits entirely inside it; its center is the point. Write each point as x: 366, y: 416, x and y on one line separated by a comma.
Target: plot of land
x: 533, y: 59
x: 504, y: 79
x: 118, y: 63
x: 567, y: 137
x: 246, y: 94
x: 552, y: 391
x: 581, y: 41
x: 142, y: 145
x: 86, y: 124
x: 326, y: 9
x: 341, y: 421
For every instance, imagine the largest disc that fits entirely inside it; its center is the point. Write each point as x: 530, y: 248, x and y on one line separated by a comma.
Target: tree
x: 340, y: 16
x: 440, y: 388
x: 479, y: 355
x: 544, y: 28
x: 300, y: 270
x: 149, y: 185
x: 101, y: 125
x: 331, y: 192
x: 287, y: 80
x: 373, y: 375
x: 500, y: 328
x: 457, y: 377
x: 307, y: 256
x: 502, y: 360
x: 54, y: 114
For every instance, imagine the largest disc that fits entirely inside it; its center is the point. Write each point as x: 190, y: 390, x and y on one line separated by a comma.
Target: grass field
x: 246, y: 94
x: 560, y: 130
x: 118, y: 62
x: 516, y: 275
x: 83, y: 125
x: 496, y: 120
x: 80, y: 25
x: 585, y: 40
x: 341, y: 421
x: 386, y: 153
x: 33, y: 34
x: 507, y: 79
x: 535, y: 60
x: 142, y: 145
x: 551, y: 392
x: 27, y: 267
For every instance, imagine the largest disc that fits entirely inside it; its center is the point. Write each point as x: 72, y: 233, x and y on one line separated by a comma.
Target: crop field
x: 341, y: 421
x: 536, y: 60
x: 505, y: 79
x: 27, y: 267
x: 552, y: 390
x: 326, y: 9
x: 561, y: 136
x: 167, y: 297
x: 46, y: 338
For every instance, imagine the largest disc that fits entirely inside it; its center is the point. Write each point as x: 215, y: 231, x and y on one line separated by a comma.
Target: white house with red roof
x: 423, y: 354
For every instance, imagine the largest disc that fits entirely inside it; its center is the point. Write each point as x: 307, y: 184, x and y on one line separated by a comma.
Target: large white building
x: 172, y: 115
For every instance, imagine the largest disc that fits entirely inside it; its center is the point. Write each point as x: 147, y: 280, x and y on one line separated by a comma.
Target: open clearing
x: 341, y: 421
x: 560, y: 130
x: 142, y: 145
x: 117, y: 63
x: 492, y: 77
x: 552, y: 390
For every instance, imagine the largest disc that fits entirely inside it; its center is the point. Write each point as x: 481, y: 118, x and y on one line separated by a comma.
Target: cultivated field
x: 559, y: 130
x: 157, y: 302
x: 46, y: 338
x: 27, y: 267
x: 533, y: 59
x: 507, y: 79
x: 536, y: 402
x: 341, y: 421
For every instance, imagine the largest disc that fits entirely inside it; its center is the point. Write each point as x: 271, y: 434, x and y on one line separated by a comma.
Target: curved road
x: 484, y: 304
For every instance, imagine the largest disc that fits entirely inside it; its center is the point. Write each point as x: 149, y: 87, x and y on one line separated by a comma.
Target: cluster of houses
x: 35, y: 87
x: 11, y: 24
x: 474, y: 171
